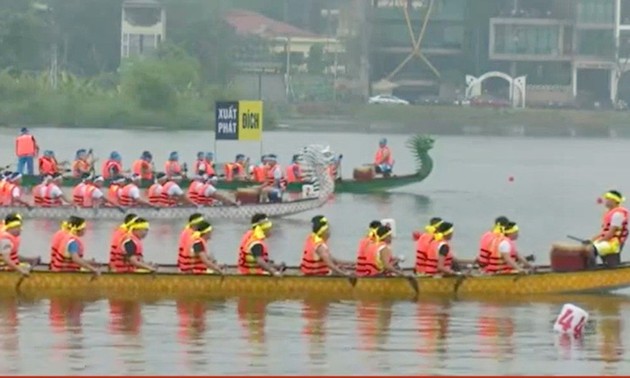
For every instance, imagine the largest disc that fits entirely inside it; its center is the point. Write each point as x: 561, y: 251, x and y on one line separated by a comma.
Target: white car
x: 387, y: 99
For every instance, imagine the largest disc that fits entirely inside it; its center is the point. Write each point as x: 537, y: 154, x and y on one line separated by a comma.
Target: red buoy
x: 599, y: 200
x: 511, y: 178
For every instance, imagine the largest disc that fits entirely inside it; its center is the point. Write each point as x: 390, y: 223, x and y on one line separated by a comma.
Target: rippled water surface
x: 556, y: 182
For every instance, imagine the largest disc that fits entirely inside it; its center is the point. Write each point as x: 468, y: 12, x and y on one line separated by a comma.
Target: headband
x: 381, y: 238
x: 260, y: 228
x: 433, y: 227
x: 77, y: 227
x: 195, y: 221
x: 205, y: 230
x: 441, y: 235
x: 497, y: 229
x: 13, y: 224
x: 127, y: 225
x: 614, y: 197
x: 323, y: 223
x: 512, y: 230
x: 139, y: 226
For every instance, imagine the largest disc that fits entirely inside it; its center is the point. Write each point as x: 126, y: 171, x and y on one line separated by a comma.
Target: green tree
x: 22, y: 36
x: 315, y: 61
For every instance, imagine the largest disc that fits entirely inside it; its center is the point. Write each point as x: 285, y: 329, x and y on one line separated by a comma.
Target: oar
x: 413, y: 282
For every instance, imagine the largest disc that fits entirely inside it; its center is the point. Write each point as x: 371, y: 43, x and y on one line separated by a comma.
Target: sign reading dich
x: 239, y: 120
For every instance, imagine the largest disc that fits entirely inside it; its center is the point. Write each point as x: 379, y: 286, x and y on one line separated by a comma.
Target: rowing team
x: 498, y: 253
x: 122, y: 192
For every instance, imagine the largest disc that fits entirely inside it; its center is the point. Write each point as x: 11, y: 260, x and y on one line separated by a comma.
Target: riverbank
x: 453, y: 120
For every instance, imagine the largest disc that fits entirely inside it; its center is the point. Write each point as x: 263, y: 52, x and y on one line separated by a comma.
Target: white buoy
x: 571, y: 320
x: 391, y: 223
x: 308, y: 191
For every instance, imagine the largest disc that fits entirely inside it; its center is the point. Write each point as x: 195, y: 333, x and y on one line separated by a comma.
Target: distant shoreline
x: 435, y: 120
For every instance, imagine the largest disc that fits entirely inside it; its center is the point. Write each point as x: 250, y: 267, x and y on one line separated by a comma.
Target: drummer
x: 253, y: 257
x: 609, y: 242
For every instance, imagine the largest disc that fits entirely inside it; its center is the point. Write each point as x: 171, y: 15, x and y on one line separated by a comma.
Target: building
x: 569, y: 49
x: 143, y: 27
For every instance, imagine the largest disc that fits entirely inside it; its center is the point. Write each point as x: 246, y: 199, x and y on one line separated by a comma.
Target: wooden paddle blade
x: 353, y: 281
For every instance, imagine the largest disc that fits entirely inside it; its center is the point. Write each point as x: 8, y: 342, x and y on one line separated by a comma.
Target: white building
x: 143, y: 27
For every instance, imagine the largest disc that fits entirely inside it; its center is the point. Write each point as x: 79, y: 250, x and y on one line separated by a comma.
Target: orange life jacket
x: 422, y: 249
x: 193, y: 191
x: 110, y: 165
x: 246, y: 261
x: 172, y: 168
x: 187, y: 260
x: 312, y: 264
x: 113, y: 194
x: 380, y: 153
x: 207, y: 164
x: 485, y: 245
x: 48, y: 199
x: 55, y: 244
x: 114, y: 245
x: 88, y: 201
x: 622, y: 234
x: 38, y: 197
x: 361, y: 266
x: 59, y: 261
x: 78, y: 192
x: 119, y: 262
x: 8, y: 193
x: 142, y: 168
x: 201, y: 195
x: 184, y: 237
x: 429, y: 264
x: 271, y: 180
x: 233, y: 170
x: 166, y: 199
x: 495, y: 261
x: 47, y: 165
x: 13, y: 255
x: 79, y: 167
x: 154, y: 193
x: 25, y: 146
x: 293, y: 173
x: 125, y: 196
x: 372, y: 265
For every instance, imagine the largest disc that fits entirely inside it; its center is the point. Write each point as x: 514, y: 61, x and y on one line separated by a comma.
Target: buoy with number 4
x: 391, y: 223
x: 571, y: 320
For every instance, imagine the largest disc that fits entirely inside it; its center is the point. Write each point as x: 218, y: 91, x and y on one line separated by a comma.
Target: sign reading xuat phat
x: 250, y: 120
x: 226, y: 120
x: 239, y: 120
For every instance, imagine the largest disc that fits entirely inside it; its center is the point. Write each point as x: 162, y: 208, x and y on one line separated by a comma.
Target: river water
x: 554, y: 191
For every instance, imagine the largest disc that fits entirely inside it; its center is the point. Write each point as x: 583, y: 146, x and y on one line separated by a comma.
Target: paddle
x: 413, y: 282
x: 575, y: 238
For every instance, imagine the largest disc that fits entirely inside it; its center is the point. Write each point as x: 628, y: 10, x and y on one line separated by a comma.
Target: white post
x: 574, y: 78
x: 613, y: 85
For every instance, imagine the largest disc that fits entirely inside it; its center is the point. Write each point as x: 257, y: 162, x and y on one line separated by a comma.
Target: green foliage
x: 315, y: 61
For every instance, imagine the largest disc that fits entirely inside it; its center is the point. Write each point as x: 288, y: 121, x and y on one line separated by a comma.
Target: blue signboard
x: 226, y: 120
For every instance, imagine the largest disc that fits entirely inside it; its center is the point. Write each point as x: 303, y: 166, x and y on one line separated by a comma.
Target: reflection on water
x: 308, y: 337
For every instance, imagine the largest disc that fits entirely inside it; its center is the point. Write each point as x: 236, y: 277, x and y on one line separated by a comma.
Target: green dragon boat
x: 420, y: 145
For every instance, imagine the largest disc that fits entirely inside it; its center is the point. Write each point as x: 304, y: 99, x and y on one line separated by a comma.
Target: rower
x: 154, y: 193
x: 383, y: 159
x: 210, y: 164
x: 609, y: 242
x: 505, y: 258
x: 379, y: 258
x: 129, y: 257
x: 117, y: 235
x: 39, y: 191
x: 78, y: 193
x: 258, y: 172
x: 172, y: 193
x: 361, y: 268
x: 82, y: 163
x: 113, y: 192
x: 13, y: 192
x: 188, y: 230
x: 48, y: 163
x: 253, y: 257
x: 57, y: 238
x: 143, y: 167
x: 275, y: 184
x: 172, y: 167
x: 4, y: 182
x: 316, y: 257
x: 207, y: 194
x: 203, y: 165
x: 423, y: 243
x: 439, y: 257
x: 130, y: 194
x: 294, y: 171
x: 94, y: 196
x: 53, y: 195
x: 69, y: 256
x: 483, y: 257
x: 195, y: 257
x: 236, y: 170
x: 112, y: 166
x: 194, y: 187
x: 10, y: 244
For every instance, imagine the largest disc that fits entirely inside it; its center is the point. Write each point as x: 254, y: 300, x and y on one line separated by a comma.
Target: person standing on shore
x: 26, y: 149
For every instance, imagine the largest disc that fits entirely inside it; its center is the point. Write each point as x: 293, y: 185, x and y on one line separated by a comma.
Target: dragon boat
x: 168, y: 283
x: 312, y: 158
x: 419, y: 145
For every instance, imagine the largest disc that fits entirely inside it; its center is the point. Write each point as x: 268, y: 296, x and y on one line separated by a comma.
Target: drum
x: 365, y: 173
x: 248, y: 195
x: 568, y: 258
